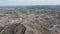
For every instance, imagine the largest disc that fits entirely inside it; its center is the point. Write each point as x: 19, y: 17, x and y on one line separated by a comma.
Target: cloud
x: 29, y: 2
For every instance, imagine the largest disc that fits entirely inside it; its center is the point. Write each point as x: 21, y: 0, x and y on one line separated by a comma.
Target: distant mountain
x: 35, y: 6
x: 45, y: 6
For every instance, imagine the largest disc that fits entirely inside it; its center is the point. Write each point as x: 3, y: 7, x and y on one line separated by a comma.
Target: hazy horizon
x: 28, y: 2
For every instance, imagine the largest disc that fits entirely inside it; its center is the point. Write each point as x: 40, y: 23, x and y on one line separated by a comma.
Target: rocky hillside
x: 28, y: 24
x: 14, y: 22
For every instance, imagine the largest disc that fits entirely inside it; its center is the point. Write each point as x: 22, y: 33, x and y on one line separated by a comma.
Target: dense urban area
x: 30, y: 20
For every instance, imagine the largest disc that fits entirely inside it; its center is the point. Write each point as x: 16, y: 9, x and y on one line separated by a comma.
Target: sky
x: 28, y: 2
